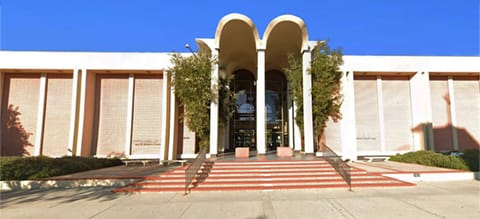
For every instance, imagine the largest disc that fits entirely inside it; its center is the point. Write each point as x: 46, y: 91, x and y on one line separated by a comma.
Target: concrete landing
x: 414, y: 172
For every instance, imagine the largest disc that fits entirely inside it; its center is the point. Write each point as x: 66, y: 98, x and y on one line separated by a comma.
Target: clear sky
x: 368, y: 27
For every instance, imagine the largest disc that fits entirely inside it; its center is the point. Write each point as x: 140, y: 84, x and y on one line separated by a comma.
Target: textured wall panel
x: 57, y: 116
x: 441, y: 122
x: 467, y: 107
x: 147, y: 116
x: 111, y: 115
x: 333, y: 136
x: 22, y: 92
x: 366, y: 113
x: 397, y: 114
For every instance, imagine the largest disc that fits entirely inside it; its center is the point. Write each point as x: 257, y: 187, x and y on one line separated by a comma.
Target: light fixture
x: 189, y: 48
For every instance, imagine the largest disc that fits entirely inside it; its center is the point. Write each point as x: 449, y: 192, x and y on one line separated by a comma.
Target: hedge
x: 430, y: 158
x: 29, y: 168
x: 471, y: 158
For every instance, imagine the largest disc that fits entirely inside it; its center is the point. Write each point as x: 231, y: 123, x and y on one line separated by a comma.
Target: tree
x: 191, y: 80
x: 326, y: 87
x: 227, y: 99
x: 294, y: 77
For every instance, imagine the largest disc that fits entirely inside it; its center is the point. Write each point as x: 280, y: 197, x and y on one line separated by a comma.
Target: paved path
x: 398, y: 167
x: 459, y: 199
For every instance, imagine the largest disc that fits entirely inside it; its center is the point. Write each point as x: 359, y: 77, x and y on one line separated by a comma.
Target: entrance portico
x: 238, y: 47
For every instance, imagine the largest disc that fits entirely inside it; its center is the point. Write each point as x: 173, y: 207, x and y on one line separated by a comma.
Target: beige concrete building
x: 122, y: 104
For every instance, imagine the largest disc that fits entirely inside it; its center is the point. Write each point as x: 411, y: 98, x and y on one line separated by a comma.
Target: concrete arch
x: 236, y: 17
x: 237, y: 41
x: 203, y: 47
x: 287, y: 18
x: 286, y: 34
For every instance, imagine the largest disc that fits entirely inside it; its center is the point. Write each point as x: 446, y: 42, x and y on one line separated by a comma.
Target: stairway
x: 260, y: 175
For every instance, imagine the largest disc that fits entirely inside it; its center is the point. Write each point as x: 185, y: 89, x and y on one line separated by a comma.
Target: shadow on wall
x: 443, y: 137
x: 14, y: 136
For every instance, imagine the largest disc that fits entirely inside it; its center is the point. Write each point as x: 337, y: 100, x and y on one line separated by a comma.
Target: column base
x: 211, y: 155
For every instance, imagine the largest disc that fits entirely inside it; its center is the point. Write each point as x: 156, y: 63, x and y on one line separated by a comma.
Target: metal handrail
x: 340, y: 166
x: 192, y: 170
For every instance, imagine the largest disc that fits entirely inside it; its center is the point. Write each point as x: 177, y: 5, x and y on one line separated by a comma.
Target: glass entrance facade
x: 276, y: 110
x: 242, y: 125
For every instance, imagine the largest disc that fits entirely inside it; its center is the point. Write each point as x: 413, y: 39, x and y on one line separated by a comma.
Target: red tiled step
x: 138, y: 190
x: 268, y: 162
x: 270, y: 167
x: 299, y: 169
x: 181, y: 175
x: 258, y: 176
x: 258, y: 182
x: 261, y: 175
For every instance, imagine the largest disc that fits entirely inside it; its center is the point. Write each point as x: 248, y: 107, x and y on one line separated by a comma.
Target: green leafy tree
x: 227, y: 99
x: 294, y: 77
x: 191, y: 80
x: 326, y: 76
x: 326, y: 86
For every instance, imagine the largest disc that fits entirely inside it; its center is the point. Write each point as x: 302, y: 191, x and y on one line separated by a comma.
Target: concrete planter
x: 242, y: 152
x: 284, y: 152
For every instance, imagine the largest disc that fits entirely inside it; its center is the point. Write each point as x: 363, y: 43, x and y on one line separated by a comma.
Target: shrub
x: 22, y: 168
x: 471, y: 158
x: 430, y: 158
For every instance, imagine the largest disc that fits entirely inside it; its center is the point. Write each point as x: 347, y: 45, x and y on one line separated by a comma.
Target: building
x: 121, y: 104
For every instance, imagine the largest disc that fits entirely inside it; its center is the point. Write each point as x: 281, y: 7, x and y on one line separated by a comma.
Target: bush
x: 430, y: 158
x: 471, y: 158
x: 23, y: 168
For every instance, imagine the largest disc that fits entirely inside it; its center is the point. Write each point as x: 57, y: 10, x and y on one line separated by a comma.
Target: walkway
x: 460, y: 199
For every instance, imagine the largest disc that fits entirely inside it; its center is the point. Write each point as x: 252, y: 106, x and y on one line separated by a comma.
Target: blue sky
x: 373, y: 27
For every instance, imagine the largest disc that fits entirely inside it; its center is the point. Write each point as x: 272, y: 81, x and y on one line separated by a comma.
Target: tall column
x: 381, y: 113
x: 294, y: 134
x: 129, y: 127
x: 40, y: 115
x: 348, y: 123
x: 307, y: 103
x: 291, y: 134
x: 73, y: 113
x: 260, y: 101
x: 296, y: 131
x: 421, y: 112
x: 164, y: 131
x: 214, y: 111
x: 428, y: 110
x: 81, y: 111
x: 85, y: 137
x: 453, y: 112
x: 171, y: 152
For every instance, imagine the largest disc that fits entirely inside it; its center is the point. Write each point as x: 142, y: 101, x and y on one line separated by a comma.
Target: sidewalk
x: 459, y: 199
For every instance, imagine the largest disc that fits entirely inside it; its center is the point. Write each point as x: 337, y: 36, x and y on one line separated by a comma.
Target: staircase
x: 260, y: 175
